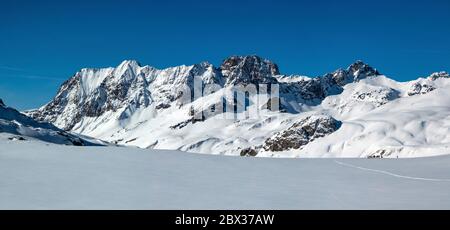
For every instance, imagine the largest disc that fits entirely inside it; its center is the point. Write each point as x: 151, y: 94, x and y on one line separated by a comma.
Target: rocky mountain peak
x: 438, y: 75
x: 355, y: 72
x: 1, y: 103
x: 127, y: 68
x: 130, y: 63
x: 249, y: 69
x: 360, y: 70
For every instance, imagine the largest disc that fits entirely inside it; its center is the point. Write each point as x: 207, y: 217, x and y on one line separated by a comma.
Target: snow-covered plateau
x: 39, y: 175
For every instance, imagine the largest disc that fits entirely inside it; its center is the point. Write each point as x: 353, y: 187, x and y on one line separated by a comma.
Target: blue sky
x: 42, y: 43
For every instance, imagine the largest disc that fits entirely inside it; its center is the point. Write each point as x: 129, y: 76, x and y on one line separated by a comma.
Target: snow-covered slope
x: 152, y: 108
x: 40, y: 176
x: 16, y: 126
x: 381, y: 119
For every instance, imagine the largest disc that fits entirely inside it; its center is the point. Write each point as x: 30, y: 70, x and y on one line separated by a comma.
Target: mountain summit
x: 94, y: 92
x: 249, y: 69
x: 355, y: 72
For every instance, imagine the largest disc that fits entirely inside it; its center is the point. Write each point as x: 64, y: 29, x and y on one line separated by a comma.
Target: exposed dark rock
x: 181, y: 124
x: 307, y: 90
x: 77, y: 142
x: 420, y: 88
x: 17, y: 138
x: 312, y: 91
x: 377, y: 97
x: 131, y: 140
x: 360, y: 70
x: 301, y: 133
x: 153, y: 145
x: 249, y: 70
x: 437, y: 75
x: 1, y: 103
x: 163, y: 106
x: 249, y: 152
x: 381, y: 153
x: 355, y: 72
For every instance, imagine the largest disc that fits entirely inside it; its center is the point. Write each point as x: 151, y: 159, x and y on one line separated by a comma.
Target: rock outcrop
x: 249, y: 70
x: 437, y: 75
x: 301, y: 133
x: 420, y: 88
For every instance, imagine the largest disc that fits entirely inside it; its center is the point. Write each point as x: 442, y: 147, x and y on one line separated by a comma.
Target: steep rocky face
x: 420, y: 88
x: 1, y: 103
x: 307, y: 89
x: 312, y: 91
x: 355, y: 72
x: 249, y: 70
x: 301, y: 133
x: 124, y: 89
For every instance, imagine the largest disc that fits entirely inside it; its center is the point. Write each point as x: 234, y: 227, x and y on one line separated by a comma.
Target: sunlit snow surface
x: 141, y: 106
x: 37, y: 175
x: 407, y: 126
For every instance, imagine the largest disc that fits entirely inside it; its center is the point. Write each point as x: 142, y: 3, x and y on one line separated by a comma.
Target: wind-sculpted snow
x: 237, y: 106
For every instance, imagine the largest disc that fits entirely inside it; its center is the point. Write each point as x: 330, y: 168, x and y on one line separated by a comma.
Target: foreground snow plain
x: 39, y: 175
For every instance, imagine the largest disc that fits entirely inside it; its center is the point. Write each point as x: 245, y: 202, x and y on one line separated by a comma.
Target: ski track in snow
x: 54, y: 177
x: 390, y: 173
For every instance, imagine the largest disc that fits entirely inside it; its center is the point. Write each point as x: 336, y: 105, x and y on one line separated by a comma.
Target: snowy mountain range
x: 352, y: 112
